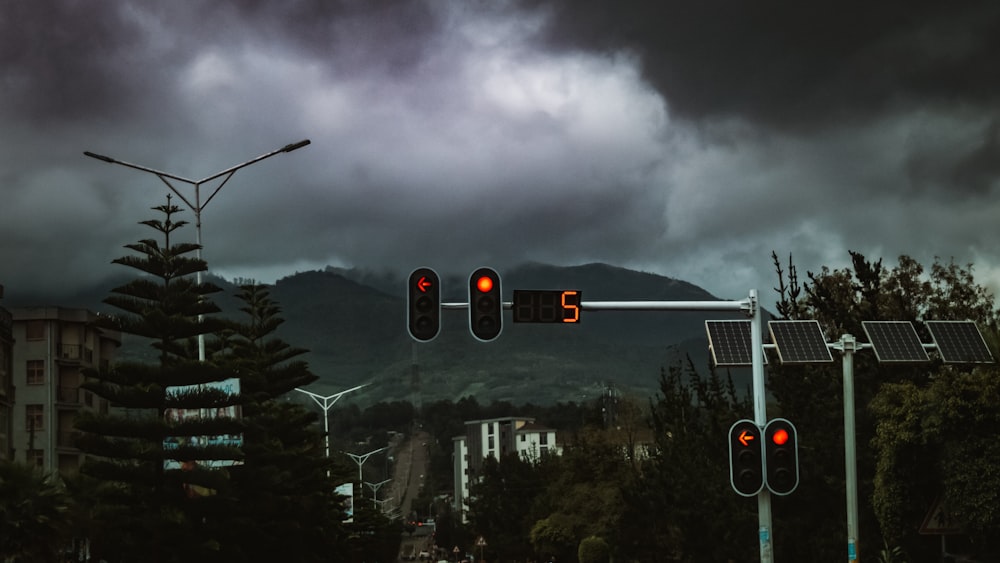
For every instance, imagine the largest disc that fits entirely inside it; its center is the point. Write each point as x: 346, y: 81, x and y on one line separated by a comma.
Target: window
x: 34, y: 417
x: 35, y: 330
x: 543, y: 438
x: 491, y: 444
x: 36, y: 372
x: 524, y: 437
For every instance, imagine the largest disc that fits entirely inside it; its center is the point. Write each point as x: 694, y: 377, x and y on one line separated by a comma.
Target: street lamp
x: 360, y: 459
x: 197, y: 206
x: 326, y: 403
x: 375, y: 487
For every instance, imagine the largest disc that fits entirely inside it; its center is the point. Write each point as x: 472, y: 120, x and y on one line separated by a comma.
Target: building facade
x: 495, y: 438
x: 51, y: 347
x: 6, y: 382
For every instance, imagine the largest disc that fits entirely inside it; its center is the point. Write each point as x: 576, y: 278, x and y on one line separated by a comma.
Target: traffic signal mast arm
x: 744, y: 305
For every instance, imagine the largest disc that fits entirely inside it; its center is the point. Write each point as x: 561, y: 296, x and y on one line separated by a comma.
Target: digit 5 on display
x: 547, y: 306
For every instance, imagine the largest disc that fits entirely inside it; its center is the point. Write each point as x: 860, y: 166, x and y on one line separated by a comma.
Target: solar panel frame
x: 730, y: 343
x: 959, y: 342
x: 895, y: 342
x: 799, y: 342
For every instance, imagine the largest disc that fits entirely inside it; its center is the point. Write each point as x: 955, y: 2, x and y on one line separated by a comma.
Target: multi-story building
x: 496, y: 437
x: 51, y: 347
x: 6, y: 382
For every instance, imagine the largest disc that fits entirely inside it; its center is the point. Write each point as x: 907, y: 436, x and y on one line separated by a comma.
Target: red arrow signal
x: 423, y: 284
x: 746, y: 437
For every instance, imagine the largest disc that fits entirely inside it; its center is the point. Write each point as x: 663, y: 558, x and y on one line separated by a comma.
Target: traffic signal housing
x: 485, y: 305
x: 423, y: 304
x: 746, y: 464
x: 781, y: 457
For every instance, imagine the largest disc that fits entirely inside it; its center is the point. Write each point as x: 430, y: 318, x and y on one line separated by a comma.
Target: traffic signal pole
x: 749, y: 307
x: 760, y: 417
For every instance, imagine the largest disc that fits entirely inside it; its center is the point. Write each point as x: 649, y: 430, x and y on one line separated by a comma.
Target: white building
x: 496, y: 437
x: 51, y: 346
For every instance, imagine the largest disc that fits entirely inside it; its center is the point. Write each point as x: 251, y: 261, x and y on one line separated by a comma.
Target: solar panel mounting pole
x: 847, y: 346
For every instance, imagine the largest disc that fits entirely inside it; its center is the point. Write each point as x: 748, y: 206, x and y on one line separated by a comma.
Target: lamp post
x: 198, y: 205
x: 360, y: 459
x: 326, y: 403
x: 375, y: 487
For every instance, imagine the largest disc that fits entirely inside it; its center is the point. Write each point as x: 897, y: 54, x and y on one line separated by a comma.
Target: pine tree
x: 288, y: 509
x: 157, y: 503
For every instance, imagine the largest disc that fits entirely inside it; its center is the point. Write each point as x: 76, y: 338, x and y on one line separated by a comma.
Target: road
x: 408, y: 477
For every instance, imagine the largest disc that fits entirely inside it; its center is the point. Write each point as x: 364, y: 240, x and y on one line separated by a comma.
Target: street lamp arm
x: 325, y: 401
x: 230, y: 170
x: 293, y: 146
x: 159, y: 173
x: 107, y: 159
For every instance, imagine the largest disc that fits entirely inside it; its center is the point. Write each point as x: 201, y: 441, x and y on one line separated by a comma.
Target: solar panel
x: 729, y: 342
x: 959, y: 342
x: 799, y: 342
x: 895, y: 341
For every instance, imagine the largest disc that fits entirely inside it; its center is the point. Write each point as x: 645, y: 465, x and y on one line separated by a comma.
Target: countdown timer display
x: 547, y: 306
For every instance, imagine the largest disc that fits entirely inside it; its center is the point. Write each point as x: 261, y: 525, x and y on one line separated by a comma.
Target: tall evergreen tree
x: 157, y: 503
x: 288, y: 510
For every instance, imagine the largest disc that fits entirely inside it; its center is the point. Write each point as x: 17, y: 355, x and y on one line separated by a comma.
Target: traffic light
x: 485, y: 305
x: 746, y: 465
x: 423, y: 304
x: 781, y: 456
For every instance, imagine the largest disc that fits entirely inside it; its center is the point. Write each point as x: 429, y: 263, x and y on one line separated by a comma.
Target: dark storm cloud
x: 689, y: 139
x: 64, y: 60
x: 793, y: 64
x: 381, y: 35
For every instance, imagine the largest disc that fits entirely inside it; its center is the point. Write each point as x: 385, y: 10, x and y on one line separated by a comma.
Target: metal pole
x: 760, y: 417
x: 744, y: 305
x: 360, y: 459
x: 375, y: 487
x: 848, y: 346
x: 326, y: 403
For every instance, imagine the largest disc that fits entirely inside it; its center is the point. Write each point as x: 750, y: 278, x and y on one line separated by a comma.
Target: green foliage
x: 35, y: 514
x: 940, y: 440
x: 684, y: 507
x: 593, y: 549
x: 928, y: 423
x: 893, y: 554
x: 501, y: 503
x: 583, y: 496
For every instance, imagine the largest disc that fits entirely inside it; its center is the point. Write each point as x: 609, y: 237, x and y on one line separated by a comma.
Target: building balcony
x: 74, y: 353
x: 69, y: 396
x: 66, y: 440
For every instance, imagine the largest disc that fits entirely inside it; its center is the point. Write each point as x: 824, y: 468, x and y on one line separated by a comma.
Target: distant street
x: 408, y: 476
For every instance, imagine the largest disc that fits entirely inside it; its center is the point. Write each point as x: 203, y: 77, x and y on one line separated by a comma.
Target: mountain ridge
x: 353, y: 322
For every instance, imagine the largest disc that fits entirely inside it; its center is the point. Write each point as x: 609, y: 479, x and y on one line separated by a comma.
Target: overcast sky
x: 684, y: 138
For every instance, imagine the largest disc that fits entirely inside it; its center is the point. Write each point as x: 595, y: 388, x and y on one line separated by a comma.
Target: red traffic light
x: 485, y: 305
x: 484, y: 284
x: 423, y: 305
x: 423, y: 284
x: 780, y: 437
